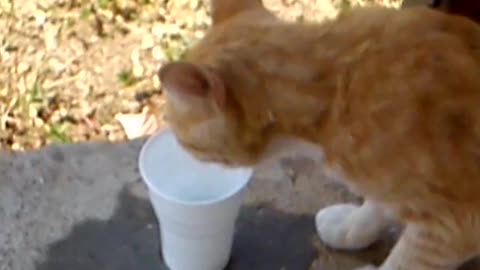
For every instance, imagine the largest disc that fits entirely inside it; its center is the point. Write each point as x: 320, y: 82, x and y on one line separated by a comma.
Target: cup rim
x: 170, y: 198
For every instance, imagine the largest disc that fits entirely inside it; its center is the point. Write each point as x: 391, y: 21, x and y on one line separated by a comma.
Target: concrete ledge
x: 84, y: 206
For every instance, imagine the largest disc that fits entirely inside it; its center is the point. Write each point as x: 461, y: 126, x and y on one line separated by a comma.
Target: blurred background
x: 84, y: 70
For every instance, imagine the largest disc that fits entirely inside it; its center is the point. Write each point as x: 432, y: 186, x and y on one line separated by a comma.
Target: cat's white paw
x: 343, y: 226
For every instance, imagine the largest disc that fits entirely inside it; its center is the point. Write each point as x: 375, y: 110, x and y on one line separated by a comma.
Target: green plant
x: 105, y: 4
x: 57, y: 133
x: 86, y: 13
x: 127, y: 78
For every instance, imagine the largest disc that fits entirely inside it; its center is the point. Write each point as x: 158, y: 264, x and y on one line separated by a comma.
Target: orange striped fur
x: 391, y: 96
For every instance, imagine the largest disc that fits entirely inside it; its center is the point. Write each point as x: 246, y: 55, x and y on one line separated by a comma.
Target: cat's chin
x: 285, y: 146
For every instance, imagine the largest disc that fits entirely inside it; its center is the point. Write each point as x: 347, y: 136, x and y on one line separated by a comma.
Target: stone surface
x: 84, y: 207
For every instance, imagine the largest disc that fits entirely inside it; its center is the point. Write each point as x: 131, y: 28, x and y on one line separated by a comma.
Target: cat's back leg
x: 444, y: 244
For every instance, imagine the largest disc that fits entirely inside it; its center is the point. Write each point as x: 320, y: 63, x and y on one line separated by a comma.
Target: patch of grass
x: 86, y: 13
x: 36, y: 92
x: 104, y: 4
x: 70, y: 22
x: 33, y: 96
x: 175, y: 49
x: 57, y: 133
x: 173, y: 53
x: 344, y: 6
x: 127, y: 78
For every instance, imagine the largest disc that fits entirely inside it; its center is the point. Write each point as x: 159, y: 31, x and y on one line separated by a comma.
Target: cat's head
x: 205, y: 119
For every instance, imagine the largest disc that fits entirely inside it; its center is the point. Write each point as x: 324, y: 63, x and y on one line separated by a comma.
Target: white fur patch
x: 350, y: 227
x: 291, y: 147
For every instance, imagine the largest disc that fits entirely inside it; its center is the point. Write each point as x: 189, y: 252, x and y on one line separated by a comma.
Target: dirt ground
x: 84, y: 70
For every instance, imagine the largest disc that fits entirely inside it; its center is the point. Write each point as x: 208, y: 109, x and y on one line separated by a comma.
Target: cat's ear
x: 185, y: 80
x: 225, y: 9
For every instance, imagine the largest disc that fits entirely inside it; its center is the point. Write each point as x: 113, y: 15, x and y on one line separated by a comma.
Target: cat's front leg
x: 351, y: 227
x: 429, y: 248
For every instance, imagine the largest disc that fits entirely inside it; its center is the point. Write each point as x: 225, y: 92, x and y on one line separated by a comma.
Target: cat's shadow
x: 265, y: 239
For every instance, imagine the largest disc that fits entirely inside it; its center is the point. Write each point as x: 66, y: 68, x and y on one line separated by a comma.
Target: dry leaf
x: 50, y: 36
x: 138, y: 125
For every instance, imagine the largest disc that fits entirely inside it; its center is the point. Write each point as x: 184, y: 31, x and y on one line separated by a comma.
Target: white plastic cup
x: 196, y: 203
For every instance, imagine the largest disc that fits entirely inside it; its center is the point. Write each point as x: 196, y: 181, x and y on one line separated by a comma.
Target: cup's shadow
x: 270, y: 239
x: 265, y: 239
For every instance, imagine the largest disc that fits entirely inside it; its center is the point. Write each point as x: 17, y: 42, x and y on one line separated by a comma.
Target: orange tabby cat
x: 391, y: 96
